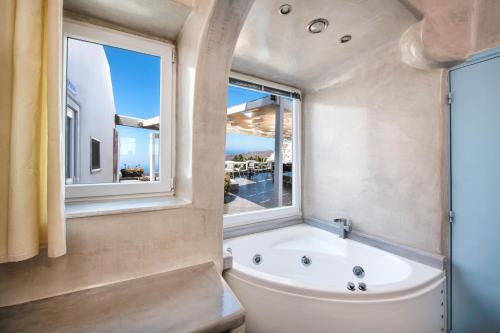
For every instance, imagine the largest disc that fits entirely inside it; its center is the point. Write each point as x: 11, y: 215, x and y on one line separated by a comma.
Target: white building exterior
x: 90, y: 99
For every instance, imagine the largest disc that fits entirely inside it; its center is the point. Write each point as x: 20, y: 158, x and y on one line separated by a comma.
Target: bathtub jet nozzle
x: 306, y: 261
x: 358, y: 271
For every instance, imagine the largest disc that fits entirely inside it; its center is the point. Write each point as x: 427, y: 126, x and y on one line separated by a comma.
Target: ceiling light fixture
x: 318, y: 25
x: 345, y: 38
x: 285, y: 9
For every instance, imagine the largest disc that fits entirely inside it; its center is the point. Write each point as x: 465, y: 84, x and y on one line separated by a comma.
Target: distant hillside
x: 264, y: 153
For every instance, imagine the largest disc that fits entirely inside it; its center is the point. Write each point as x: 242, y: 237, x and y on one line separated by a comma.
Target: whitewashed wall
x: 106, y: 249
x: 376, y: 138
x: 88, y: 70
x: 375, y: 148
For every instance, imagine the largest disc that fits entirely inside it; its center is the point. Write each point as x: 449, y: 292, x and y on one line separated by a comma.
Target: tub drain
x: 306, y: 261
x: 257, y: 259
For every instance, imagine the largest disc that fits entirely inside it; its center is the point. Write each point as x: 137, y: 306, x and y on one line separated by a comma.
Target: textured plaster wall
x: 450, y: 31
x: 111, y: 248
x: 374, y: 150
x: 376, y: 138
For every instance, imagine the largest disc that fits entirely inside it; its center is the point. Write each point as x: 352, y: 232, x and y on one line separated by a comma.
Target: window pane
x: 258, y: 126
x: 68, y: 148
x: 287, y: 150
x: 117, y: 92
x: 95, y: 151
x: 137, y: 161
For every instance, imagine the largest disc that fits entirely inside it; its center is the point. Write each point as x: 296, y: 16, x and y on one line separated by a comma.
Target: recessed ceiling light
x: 345, y: 38
x: 285, y: 9
x: 318, y: 25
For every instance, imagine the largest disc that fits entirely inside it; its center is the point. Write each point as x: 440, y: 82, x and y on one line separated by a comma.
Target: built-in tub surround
x: 110, y: 248
x: 296, y: 279
x: 193, y: 299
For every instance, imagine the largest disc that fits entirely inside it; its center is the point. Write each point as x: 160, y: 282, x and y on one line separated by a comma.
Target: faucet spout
x: 344, y: 226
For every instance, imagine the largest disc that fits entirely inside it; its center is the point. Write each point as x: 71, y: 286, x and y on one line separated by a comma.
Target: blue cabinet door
x: 475, y: 197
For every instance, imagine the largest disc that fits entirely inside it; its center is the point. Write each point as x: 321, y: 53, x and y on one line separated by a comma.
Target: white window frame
x: 164, y: 50
x: 295, y: 210
x: 71, y: 114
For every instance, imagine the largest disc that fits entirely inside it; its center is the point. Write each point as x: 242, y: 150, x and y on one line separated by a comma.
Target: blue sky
x: 136, y: 89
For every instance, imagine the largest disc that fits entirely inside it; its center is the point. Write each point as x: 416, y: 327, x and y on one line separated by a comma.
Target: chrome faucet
x: 344, y: 226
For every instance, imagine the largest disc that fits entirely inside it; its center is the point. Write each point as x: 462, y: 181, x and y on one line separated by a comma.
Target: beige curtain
x: 31, y: 160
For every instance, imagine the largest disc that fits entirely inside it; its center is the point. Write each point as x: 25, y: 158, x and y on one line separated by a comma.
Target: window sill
x: 122, y: 206
x: 260, y: 226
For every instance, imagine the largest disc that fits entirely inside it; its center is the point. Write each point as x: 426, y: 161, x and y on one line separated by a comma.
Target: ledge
x: 255, y: 227
x: 194, y: 299
x: 122, y: 206
x: 423, y: 257
x: 227, y: 260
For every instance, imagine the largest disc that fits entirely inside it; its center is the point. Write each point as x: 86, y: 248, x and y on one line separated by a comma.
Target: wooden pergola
x: 258, y: 117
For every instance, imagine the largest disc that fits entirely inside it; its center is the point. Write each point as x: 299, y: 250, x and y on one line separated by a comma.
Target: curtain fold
x: 31, y: 168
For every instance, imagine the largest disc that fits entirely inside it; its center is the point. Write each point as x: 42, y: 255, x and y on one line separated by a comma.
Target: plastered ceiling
x: 279, y: 48
x: 159, y: 18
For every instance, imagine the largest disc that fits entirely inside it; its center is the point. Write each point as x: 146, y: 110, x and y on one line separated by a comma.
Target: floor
x: 255, y: 192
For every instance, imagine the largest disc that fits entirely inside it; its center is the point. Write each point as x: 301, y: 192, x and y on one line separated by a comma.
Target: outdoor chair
x: 240, y: 167
x: 260, y: 166
x: 251, y: 167
x: 229, y: 168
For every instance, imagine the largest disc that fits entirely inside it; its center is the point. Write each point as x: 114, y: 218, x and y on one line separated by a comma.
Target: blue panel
x: 475, y: 183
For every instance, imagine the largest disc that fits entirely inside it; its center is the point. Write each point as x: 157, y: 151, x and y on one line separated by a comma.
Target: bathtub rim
x: 423, y: 257
x: 247, y: 273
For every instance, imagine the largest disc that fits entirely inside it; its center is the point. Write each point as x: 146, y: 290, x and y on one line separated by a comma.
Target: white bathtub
x: 281, y: 294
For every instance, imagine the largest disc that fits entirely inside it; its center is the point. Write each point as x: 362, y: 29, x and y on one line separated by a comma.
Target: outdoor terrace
x: 255, y: 191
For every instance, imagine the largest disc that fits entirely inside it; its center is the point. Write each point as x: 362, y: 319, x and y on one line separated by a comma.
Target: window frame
x: 295, y: 210
x: 69, y: 161
x: 105, y: 36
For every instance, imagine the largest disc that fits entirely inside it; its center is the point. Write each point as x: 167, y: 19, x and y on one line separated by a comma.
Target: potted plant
x: 129, y: 172
x: 227, y: 184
